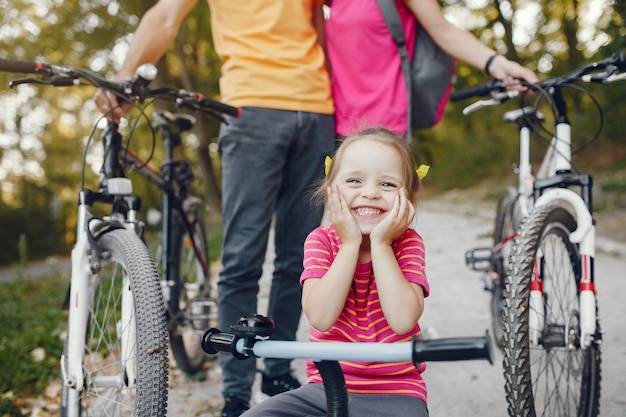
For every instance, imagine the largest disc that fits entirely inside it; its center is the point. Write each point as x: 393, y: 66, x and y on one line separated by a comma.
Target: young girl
x: 364, y: 279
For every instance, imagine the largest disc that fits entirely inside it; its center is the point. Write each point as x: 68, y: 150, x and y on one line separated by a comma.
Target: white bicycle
x: 115, y: 359
x: 541, y: 267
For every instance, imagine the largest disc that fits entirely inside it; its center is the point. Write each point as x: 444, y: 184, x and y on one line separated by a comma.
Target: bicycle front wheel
x: 125, y: 363
x: 191, y: 305
x: 547, y: 371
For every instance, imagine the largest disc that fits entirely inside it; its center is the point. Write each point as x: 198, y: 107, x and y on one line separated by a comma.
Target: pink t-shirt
x: 367, y: 83
x: 362, y: 318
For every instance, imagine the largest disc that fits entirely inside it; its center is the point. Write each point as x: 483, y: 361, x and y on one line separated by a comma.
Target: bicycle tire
x: 124, y: 260
x: 503, y: 231
x: 190, y: 306
x: 555, y: 377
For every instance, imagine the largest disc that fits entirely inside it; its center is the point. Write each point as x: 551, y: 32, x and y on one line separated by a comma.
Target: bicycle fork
x: 81, y: 277
x: 555, y: 177
x: 584, y: 236
x: 83, y: 281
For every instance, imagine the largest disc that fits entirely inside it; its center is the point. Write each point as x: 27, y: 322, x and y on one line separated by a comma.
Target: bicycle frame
x: 174, y: 191
x: 557, y: 171
x: 551, y: 186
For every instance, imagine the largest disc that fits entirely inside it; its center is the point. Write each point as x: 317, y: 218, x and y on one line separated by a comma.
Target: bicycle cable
x: 547, y: 135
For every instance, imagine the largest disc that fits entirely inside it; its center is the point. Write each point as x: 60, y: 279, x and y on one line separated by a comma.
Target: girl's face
x: 369, y: 179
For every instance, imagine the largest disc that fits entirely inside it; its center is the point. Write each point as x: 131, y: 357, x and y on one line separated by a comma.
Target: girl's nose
x: 370, y: 191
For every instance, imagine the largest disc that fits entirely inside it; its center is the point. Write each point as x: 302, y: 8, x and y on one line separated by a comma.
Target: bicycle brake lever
x: 479, y: 105
x: 496, y: 99
x: 28, y: 80
x: 615, y: 77
x: 600, y: 77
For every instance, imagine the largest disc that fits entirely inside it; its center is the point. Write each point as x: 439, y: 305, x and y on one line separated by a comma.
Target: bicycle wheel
x: 502, y: 241
x: 547, y: 371
x: 190, y: 306
x: 125, y: 364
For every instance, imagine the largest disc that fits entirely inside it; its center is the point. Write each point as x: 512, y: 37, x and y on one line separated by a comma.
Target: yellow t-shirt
x: 271, y: 55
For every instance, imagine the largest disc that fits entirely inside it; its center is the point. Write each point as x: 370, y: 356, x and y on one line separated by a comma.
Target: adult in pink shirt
x: 367, y: 83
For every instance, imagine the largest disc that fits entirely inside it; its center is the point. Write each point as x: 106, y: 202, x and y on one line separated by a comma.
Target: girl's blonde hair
x: 385, y: 137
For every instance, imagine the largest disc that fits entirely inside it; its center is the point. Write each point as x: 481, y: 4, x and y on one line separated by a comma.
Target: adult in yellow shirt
x: 272, y: 156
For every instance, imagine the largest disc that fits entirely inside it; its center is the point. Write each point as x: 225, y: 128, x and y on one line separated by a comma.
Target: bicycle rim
x: 554, y: 376
x: 191, y: 304
x: 125, y: 361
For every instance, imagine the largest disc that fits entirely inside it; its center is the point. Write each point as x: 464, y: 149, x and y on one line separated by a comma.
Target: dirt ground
x: 610, y: 215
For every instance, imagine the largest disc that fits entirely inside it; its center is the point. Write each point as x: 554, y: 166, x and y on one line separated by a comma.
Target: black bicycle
x: 115, y: 359
x: 183, y: 251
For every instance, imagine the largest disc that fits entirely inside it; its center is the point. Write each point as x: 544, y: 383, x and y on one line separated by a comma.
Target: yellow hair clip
x: 327, y: 163
x: 422, y: 171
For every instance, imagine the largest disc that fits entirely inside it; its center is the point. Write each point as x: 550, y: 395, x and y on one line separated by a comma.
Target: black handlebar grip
x: 220, y: 107
x: 479, y: 90
x: 214, y: 341
x: 28, y: 67
x: 453, y: 349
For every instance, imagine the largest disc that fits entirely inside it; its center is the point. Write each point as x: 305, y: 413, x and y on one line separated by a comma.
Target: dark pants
x: 310, y: 401
x: 271, y: 162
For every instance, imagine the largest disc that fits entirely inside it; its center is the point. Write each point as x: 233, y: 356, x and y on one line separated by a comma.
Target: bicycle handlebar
x: 417, y: 351
x: 131, y: 89
x: 479, y: 90
x: 27, y: 67
x: 252, y: 332
x: 604, y: 71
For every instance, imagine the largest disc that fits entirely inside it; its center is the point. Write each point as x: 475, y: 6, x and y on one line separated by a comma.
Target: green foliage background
x: 48, y: 128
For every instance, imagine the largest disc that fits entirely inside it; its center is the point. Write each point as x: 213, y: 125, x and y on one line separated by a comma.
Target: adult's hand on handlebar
x: 511, y: 73
x: 107, y: 102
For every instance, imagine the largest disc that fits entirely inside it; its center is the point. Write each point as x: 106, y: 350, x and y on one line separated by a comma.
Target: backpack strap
x: 392, y: 18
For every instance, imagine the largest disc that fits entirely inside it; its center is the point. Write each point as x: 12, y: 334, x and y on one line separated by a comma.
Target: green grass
x: 31, y: 320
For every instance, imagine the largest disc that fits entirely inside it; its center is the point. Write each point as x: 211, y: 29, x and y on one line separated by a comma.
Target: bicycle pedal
x: 202, y: 311
x: 203, y: 303
x: 480, y: 259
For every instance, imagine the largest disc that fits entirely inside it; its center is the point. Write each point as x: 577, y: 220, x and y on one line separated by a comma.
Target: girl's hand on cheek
x: 341, y: 217
x: 396, y: 221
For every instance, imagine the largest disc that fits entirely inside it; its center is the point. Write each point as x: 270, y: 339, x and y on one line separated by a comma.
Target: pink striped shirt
x: 362, y: 319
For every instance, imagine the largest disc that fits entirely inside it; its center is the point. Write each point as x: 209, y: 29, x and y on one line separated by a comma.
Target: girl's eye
x: 388, y: 185
x: 353, y: 181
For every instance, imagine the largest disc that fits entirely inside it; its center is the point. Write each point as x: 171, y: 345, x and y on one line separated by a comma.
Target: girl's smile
x: 367, y: 211
x: 369, y: 181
